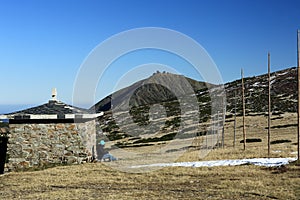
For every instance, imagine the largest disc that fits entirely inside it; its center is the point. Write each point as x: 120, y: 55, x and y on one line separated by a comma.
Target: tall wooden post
x: 234, y: 130
x: 218, y: 129
x: 223, y: 119
x: 244, y: 112
x: 223, y: 132
x: 269, y: 105
x: 298, y: 68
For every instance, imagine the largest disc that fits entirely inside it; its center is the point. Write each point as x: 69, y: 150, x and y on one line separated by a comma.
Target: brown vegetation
x: 97, y: 181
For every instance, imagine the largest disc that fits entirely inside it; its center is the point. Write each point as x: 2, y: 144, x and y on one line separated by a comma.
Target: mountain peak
x: 159, y: 87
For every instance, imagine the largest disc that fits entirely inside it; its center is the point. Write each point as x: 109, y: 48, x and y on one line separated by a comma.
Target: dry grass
x: 98, y: 181
x: 256, y: 127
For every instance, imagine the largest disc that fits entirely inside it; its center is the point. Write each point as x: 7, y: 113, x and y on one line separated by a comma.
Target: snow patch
x: 68, y: 107
x: 267, y: 162
x: 284, y: 73
x: 272, y: 77
x: 256, y: 84
x: 272, y: 81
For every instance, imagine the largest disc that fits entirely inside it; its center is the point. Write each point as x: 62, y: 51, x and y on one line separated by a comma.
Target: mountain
x: 140, y: 97
x: 155, y: 89
x: 145, y: 101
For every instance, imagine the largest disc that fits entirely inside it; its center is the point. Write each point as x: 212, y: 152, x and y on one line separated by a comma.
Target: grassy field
x: 95, y: 181
x: 98, y: 181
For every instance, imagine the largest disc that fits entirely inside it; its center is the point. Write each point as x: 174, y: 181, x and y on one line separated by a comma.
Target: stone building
x: 3, y: 145
x: 52, y: 133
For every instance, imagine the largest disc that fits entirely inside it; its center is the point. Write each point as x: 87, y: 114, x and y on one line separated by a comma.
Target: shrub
x: 280, y: 141
x: 251, y: 140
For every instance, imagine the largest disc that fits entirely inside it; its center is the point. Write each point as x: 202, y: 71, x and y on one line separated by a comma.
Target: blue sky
x: 44, y: 43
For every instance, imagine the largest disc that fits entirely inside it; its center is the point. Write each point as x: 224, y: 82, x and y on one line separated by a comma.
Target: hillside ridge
x: 144, y: 96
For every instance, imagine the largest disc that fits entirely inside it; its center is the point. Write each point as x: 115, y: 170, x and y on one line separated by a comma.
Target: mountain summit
x: 160, y: 87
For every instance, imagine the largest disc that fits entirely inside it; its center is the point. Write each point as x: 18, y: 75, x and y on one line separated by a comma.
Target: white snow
x: 256, y: 84
x: 267, y: 162
x: 272, y: 81
x: 69, y: 107
x: 282, y: 74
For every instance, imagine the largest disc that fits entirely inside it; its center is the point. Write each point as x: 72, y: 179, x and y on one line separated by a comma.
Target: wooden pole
x: 223, y: 124
x: 244, y: 113
x: 206, y: 138
x: 269, y: 105
x: 223, y: 136
x: 218, y: 129
x: 298, y: 66
x: 234, y: 130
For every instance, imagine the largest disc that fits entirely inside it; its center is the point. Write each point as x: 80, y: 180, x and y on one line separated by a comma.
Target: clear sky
x: 44, y: 42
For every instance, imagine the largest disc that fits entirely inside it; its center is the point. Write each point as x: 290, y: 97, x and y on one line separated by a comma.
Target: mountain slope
x: 155, y: 89
x: 283, y: 92
x: 156, y: 101
x: 143, y: 95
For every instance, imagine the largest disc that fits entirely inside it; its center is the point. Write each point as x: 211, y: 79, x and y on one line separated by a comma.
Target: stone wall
x: 38, y: 145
